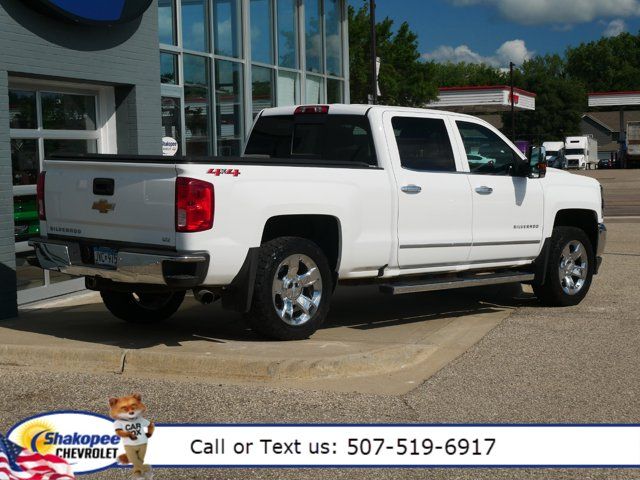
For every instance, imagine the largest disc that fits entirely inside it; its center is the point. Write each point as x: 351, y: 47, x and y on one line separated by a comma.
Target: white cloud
x: 615, y: 28
x: 512, y: 51
x: 536, y: 12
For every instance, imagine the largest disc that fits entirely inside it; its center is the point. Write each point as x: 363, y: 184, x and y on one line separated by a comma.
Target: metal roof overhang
x: 614, y: 99
x: 483, y: 99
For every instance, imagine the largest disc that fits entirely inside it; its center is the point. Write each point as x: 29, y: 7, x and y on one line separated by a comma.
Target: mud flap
x: 239, y: 295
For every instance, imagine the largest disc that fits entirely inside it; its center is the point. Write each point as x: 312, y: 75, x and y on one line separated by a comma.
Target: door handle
x: 484, y: 190
x: 411, y: 189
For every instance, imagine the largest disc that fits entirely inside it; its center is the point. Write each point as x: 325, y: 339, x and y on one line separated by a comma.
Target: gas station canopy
x: 614, y: 99
x: 485, y: 99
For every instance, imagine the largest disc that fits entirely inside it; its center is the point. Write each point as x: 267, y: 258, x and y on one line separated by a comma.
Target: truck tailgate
x: 124, y: 202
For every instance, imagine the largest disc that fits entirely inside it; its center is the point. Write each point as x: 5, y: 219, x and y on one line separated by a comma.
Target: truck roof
x: 358, y: 109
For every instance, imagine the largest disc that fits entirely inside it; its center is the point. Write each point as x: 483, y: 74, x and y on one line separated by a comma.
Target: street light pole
x: 374, y: 54
x: 513, y: 109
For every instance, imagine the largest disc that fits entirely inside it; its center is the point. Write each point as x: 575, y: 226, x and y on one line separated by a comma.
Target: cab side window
x: 424, y: 144
x: 487, y: 153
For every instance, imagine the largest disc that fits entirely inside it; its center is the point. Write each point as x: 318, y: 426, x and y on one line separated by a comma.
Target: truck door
x: 434, y: 218
x: 507, y: 210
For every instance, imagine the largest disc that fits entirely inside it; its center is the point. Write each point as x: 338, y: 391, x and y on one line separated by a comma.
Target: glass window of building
x: 25, y: 161
x: 196, y: 104
x: 334, y: 91
x: 45, y: 121
x: 167, y: 22
x: 313, y: 35
x: 227, y: 28
x: 261, y: 33
x: 333, y: 26
x: 63, y: 111
x: 287, y: 88
x: 172, y: 120
x: 194, y: 25
x: 52, y: 146
x: 168, y: 68
x: 22, y: 109
x: 295, y: 54
x: 287, y: 20
x: 261, y: 88
x: 314, y: 89
x: 229, y: 117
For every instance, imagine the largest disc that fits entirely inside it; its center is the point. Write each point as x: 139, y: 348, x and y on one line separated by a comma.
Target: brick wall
x: 125, y: 56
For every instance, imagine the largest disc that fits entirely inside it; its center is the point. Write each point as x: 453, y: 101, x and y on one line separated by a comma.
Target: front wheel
x: 569, y: 269
x: 292, y: 289
x: 142, y: 307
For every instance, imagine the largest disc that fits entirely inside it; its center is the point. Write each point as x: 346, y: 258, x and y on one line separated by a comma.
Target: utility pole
x: 373, y: 97
x: 513, y: 109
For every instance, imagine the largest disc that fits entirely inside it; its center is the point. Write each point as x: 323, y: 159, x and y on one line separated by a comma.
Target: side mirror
x: 521, y: 168
x: 537, y: 159
x: 539, y: 170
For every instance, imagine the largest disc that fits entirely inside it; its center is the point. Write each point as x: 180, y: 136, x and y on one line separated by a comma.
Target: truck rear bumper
x: 134, y: 265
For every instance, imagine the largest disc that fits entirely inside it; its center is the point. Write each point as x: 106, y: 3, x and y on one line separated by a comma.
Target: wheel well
x: 323, y: 230
x: 586, y: 220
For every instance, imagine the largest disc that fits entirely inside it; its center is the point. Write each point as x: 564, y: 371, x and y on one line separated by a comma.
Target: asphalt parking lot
x: 538, y: 365
x: 620, y: 190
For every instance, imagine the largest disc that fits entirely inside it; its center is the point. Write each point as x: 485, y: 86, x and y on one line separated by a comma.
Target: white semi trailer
x: 581, y: 152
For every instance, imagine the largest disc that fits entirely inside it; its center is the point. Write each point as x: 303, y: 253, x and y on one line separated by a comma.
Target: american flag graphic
x: 17, y: 463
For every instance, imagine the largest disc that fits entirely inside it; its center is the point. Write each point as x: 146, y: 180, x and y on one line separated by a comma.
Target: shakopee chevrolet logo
x: 107, y: 12
x: 85, y: 440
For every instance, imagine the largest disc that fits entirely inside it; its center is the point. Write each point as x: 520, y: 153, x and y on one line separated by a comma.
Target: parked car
x: 476, y: 160
x: 25, y: 216
x: 349, y: 194
x: 607, y: 163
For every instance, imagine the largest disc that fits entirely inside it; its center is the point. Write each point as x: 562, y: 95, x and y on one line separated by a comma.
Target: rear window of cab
x: 343, y: 138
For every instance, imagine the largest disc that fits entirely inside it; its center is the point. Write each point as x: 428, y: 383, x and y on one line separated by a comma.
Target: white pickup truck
x: 412, y: 200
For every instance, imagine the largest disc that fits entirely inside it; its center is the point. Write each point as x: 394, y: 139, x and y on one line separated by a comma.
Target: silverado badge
x: 103, y: 206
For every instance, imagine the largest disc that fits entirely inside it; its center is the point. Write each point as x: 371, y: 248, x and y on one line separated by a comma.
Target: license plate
x: 105, y: 257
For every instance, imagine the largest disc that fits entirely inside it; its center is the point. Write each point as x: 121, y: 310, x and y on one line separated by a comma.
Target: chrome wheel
x: 573, y: 268
x: 297, y: 289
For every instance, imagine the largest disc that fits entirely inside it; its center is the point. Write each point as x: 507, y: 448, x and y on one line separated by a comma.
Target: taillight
x: 194, y: 205
x: 311, y: 109
x: 42, y: 211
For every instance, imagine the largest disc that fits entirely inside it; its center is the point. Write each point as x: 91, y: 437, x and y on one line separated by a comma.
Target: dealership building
x: 118, y: 76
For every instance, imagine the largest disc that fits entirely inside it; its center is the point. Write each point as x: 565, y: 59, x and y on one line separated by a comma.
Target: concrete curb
x: 83, y: 359
x: 375, y: 362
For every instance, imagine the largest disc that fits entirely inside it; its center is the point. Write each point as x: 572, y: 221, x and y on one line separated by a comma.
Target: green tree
x: 404, y: 77
x: 607, y: 64
x: 560, y: 100
x: 465, y: 74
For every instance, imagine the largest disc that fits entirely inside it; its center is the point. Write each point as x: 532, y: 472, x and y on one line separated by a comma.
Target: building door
x: 48, y: 118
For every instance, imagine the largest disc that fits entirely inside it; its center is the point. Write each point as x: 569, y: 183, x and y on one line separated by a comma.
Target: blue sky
x: 496, y: 31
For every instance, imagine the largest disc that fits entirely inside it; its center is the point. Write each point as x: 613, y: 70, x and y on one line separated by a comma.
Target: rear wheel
x: 292, y: 290
x: 142, y: 307
x: 569, y: 269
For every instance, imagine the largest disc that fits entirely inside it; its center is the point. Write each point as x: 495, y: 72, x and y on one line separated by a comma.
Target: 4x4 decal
x: 223, y: 171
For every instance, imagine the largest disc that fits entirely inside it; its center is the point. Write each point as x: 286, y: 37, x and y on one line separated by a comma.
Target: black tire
x: 143, y: 308
x: 552, y: 293
x: 263, y: 316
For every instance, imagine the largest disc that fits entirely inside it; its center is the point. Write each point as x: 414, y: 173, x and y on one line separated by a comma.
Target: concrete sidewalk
x: 380, y: 344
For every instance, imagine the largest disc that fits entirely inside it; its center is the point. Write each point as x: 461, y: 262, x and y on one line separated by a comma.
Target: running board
x: 436, y: 284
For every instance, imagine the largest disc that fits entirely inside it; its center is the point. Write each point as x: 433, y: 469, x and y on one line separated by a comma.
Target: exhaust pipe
x: 204, y: 296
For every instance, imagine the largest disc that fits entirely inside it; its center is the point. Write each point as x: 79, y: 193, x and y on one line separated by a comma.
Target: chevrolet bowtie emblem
x: 103, y: 206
